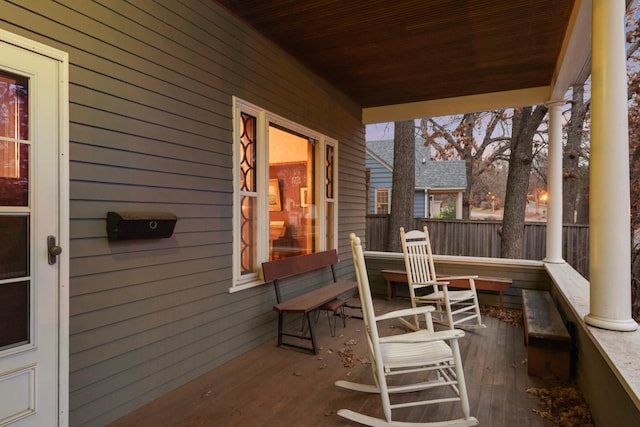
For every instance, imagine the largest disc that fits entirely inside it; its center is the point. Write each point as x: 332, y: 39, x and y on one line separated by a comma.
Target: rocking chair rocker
x: 399, y: 362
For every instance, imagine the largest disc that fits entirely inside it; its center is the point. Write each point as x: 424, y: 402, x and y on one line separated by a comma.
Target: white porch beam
x: 448, y: 106
x: 609, y: 207
x: 554, y: 171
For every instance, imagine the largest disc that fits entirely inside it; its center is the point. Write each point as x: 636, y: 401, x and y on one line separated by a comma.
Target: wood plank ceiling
x: 386, y: 52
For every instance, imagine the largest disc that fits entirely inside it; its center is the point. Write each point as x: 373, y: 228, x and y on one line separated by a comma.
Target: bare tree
x: 404, y: 178
x: 633, y: 61
x: 525, y: 125
x: 477, y: 138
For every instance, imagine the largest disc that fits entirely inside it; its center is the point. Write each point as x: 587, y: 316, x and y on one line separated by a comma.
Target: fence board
x: 482, y: 239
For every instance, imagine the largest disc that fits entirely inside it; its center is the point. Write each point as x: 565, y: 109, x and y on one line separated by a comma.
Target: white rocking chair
x: 454, y: 308
x: 406, y: 358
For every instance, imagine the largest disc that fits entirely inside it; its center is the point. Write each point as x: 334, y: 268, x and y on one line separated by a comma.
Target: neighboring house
x: 436, y: 181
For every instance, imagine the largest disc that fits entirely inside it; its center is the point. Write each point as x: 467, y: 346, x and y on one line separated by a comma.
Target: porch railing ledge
x: 466, y: 260
x: 620, y: 350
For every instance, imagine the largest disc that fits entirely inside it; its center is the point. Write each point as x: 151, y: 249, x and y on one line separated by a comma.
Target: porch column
x: 609, y: 206
x: 459, y: 205
x: 554, y: 188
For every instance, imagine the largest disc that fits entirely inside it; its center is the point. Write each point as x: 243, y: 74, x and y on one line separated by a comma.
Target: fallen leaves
x: 512, y: 317
x: 563, y: 405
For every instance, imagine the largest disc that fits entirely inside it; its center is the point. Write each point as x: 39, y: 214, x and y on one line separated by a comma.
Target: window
x: 284, y: 191
x: 382, y: 200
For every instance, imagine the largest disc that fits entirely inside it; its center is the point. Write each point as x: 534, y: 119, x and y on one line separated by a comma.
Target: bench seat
x: 325, y: 296
x: 331, y: 297
x: 545, y: 335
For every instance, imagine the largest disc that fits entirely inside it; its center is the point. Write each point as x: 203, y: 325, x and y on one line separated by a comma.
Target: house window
x: 284, y: 191
x: 382, y: 200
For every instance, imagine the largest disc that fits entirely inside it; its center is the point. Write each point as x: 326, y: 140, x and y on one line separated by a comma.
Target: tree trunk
x: 571, y: 156
x: 403, y: 187
x: 525, y: 124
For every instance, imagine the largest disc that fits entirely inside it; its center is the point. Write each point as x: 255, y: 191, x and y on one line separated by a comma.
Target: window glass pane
x: 382, y: 201
x: 14, y: 251
x: 14, y: 314
x: 248, y: 153
x: 14, y: 106
x: 248, y: 245
x: 292, y: 212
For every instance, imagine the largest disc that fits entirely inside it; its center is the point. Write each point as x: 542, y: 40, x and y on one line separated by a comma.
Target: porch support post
x: 554, y: 171
x: 459, y: 205
x: 609, y: 207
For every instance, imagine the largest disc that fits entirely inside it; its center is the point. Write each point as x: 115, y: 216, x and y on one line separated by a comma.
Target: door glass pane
x: 15, y: 288
x: 14, y: 106
x: 14, y: 127
x: 14, y: 315
x: 14, y: 174
x: 14, y: 250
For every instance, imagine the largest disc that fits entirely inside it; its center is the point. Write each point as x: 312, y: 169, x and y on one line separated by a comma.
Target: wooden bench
x: 497, y: 284
x: 545, y: 335
x: 330, y: 297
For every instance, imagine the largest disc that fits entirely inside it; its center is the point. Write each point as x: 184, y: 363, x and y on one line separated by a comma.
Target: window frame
x: 264, y: 119
x: 376, y: 203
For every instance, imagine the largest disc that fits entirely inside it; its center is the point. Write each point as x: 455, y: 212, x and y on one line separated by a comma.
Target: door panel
x: 29, y: 212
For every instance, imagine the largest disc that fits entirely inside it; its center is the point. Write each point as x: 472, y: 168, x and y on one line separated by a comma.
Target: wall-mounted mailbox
x: 140, y: 225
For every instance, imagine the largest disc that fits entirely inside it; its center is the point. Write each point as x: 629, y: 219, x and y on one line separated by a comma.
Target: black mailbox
x: 140, y: 225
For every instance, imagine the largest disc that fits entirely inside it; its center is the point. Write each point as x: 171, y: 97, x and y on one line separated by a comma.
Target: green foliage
x: 449, y: 212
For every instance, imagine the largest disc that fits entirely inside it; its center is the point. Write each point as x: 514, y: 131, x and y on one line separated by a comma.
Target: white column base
x: 553, y: 260
x: 629, y: 325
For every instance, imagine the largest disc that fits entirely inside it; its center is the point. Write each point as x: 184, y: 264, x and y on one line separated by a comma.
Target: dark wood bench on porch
x: 483, y: 283
x: 545, y: 335
x: 330, y: 297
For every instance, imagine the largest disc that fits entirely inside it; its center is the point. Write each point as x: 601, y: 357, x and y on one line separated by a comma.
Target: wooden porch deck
x: 271, y: 386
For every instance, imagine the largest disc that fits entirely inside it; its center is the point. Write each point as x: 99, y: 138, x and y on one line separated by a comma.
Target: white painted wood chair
x: 412, y: 364
x: 454, y: 308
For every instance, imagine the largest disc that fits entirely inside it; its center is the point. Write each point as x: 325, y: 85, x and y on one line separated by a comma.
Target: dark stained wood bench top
x: 483, y: 283
x: 316, y: 298
x: 542, y: 320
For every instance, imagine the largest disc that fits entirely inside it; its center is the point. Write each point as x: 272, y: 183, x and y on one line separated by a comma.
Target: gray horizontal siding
x: 151, y: 129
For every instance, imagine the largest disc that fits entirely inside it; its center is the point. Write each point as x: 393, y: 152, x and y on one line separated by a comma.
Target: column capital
x: 555, y: 103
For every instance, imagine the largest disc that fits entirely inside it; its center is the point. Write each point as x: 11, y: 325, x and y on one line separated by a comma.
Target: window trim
x: 388, y: 191
x: 263, y: 120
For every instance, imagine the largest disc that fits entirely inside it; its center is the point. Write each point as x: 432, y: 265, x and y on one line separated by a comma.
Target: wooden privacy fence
x: 481, y: 239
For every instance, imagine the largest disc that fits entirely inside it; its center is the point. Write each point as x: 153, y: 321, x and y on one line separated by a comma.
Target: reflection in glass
x: 14, y: 315
x: 14, y: 174
x: 14, y: 106
x: 14, y: 250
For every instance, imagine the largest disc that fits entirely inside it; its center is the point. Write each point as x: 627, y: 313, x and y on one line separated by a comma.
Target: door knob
x: 53, y: 249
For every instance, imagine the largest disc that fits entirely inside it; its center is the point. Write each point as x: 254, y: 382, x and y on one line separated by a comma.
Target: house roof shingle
x: 430, y: 173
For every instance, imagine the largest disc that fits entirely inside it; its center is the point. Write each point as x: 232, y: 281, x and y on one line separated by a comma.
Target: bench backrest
x: 292, y: 266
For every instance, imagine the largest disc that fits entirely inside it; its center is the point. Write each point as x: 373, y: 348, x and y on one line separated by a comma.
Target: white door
x: 29, y: 213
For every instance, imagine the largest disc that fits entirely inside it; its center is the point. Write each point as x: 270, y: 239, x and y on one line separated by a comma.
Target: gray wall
x: 380, y: 177
x: 151, y: 129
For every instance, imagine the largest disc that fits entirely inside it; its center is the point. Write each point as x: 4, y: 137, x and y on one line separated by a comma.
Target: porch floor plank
x: 271, y: 386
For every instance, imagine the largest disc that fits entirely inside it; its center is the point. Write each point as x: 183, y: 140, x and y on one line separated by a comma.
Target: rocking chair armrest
x: 424, y: 336
x: 435, y: 282
x: 405, y: 312
x: 450, y: 278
